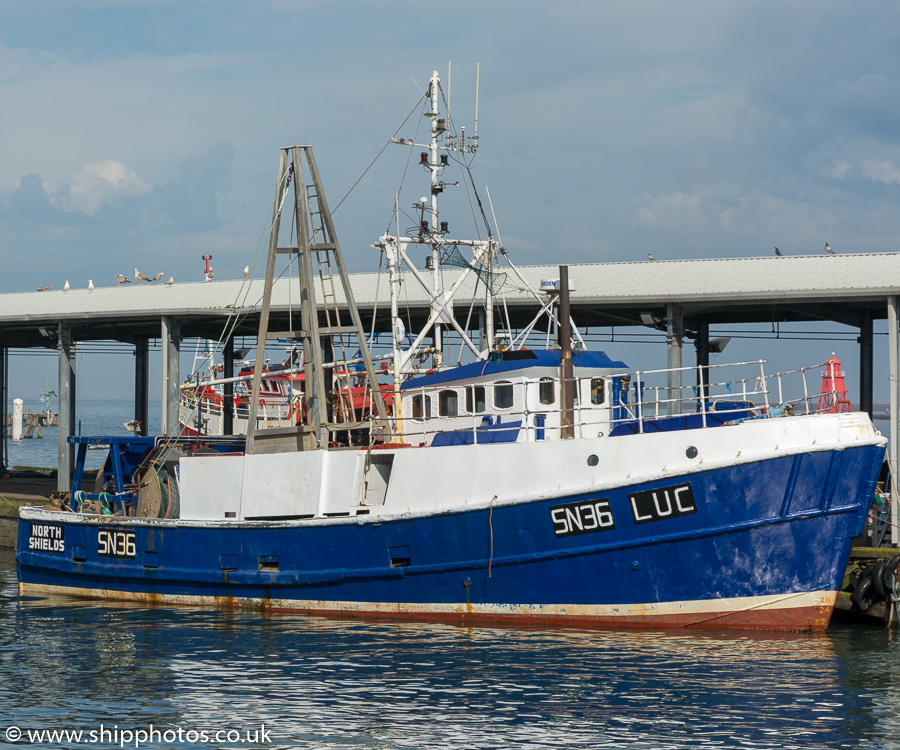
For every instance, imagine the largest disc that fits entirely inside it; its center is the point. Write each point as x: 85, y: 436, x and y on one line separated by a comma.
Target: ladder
x: 318, y: 254
x: 342, y: 378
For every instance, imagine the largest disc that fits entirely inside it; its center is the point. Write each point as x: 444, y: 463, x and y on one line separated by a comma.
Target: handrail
x: 644, y: 396
x: 746, y: 396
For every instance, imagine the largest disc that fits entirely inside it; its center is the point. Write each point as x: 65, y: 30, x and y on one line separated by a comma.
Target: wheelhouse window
x: 448, y: 403
x: 597, y: 391
x: 503, y: 395
x: 547, y: 390
x: 475, y: 399
x: 421, y: 407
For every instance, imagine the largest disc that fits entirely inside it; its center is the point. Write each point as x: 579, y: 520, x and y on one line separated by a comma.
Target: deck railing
x: 639, y: 402
x: 268, y: 410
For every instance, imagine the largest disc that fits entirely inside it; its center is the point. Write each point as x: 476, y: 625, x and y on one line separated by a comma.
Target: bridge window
x: 448, y: 404
x: 475, y: 399
x: 547, y: 390
x: 597, y: 396
x: 503, y: 395
x: 421, y: 407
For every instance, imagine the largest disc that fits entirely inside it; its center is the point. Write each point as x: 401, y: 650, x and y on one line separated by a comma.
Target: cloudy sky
x: 145, y: 132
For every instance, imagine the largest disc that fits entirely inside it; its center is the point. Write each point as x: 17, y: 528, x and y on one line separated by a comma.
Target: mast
x: 444, y: 249
x: 398, y: 331
x: 317, y: 249
x: 435, y: 189
x: 566, y: 371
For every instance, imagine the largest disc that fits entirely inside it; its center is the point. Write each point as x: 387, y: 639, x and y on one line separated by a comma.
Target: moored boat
x: 525, y: 485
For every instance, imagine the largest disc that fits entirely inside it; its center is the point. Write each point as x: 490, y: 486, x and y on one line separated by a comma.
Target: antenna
x: 449, y: 63
x: 477, y: 79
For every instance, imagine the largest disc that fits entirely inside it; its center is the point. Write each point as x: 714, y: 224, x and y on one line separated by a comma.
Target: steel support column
x: 228, y: 387
x: 142, y: 386
x: 4, y: 400
x: 866, y: 366
x: 66, y: 398
x: 893, y: 308
x: 171, y: 378
x: 674, y: 356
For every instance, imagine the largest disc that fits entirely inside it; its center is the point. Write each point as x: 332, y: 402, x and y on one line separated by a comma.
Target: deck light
x: 717, y: 345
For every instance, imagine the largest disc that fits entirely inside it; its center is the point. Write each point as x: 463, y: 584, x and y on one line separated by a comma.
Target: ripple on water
x: 320, y: 683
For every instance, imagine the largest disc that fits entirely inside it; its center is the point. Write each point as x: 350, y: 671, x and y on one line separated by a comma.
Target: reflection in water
x: 318, y: 683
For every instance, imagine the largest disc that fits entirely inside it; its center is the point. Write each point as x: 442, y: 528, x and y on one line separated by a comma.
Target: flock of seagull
x: 121, y: 278
x: 141, y: 278
x: 778, y: 253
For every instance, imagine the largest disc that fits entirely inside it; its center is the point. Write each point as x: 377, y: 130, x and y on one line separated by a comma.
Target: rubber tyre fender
x: 877, y: 575
x: 887, y: 575
x: 862, y: 595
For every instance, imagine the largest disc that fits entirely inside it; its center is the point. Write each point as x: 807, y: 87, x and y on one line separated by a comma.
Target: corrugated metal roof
x: 730, y: 280
x: 774, y: 278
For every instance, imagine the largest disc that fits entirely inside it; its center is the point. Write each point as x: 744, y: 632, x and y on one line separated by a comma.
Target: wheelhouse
x: 513, y: 397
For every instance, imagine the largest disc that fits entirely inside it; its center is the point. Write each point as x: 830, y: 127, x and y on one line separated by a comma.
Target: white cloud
x: 668, y: 210
x: 795, y: 225
x: 881, y: 171
x: 101, y: 183
x: 841, y: 169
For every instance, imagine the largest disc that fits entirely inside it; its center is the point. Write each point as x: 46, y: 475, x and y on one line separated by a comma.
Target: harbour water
x: 93, y: 417
x: 305, y: 682
x: 176, y: 677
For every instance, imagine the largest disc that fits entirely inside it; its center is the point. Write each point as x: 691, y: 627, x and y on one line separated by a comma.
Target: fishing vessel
x: 523, y: 485
x: 203, y: 402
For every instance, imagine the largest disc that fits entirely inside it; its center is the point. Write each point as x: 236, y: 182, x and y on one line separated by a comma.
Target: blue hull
x: 756, y: 545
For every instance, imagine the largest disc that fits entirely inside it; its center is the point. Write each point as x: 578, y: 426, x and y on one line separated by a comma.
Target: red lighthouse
x: 833, y: 394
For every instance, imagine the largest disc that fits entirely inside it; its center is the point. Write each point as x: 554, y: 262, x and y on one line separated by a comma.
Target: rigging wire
x: 378, y: 155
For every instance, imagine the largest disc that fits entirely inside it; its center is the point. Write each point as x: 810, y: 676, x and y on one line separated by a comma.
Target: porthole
x: 593, y: 460
x: 691, y: 451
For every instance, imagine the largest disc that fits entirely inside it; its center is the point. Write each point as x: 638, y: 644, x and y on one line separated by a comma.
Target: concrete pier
x: 682, y: 298
x: 35, y: 418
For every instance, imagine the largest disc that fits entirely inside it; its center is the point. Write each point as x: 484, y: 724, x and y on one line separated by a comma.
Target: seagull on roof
x: 209, y: 274
x: 140, y: 276
x: 778, y: 252
x: 246, y: 271
x: 158, y: 276
x: 66, y: 286
x: 45, y: 288
x: 90, y: 285
x: 170, y: 281
x: 122, y: 278
x: 828, y: 249
x: 650, y: 256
